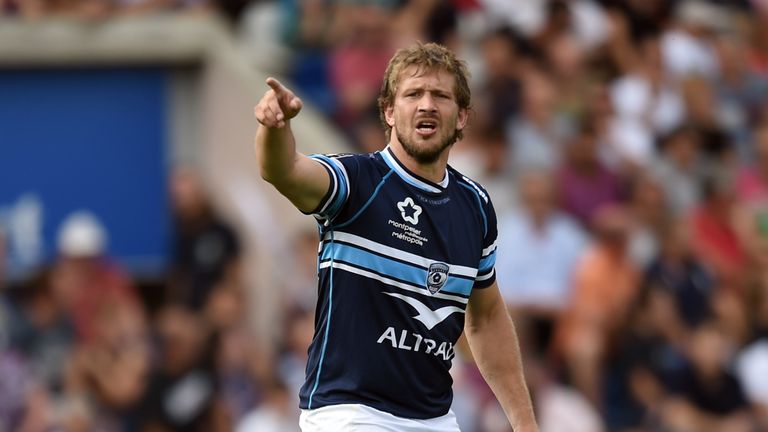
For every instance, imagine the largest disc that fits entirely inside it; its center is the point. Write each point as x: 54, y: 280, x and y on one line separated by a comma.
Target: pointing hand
x: 278, y: 105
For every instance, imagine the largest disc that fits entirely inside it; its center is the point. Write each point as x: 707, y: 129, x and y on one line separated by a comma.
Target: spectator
x: 357, y: 62
x: 646, y: 104
x: 604, y: 287
x: 681, y: 169
x: 650, y: 213
x: 503, y: 60
x: 24, y: 402
x: 751, y: 207
x: 678, y: 273
x: 482, y: 155
x: 45, y: 334
x: 714, y: 237
x: 538, y: 250
x: 275, y: 414
x: 585, y: 183
x: 206, y: 249
x: 536, y: 136
x: 561, y: 408
x: 235, y: 355
x: 110, y: 372
x: 740, y: 92
x: 83, y: 326
x: 706, y: 396
x: 567, y: 62
x: 299, y: 329
x: 687, y: 47
x: 10, y: 319
x: 649, y: 354
x: 182, y: 394
x: 23, y: 399
x: 751, y: 364
x: 703, y: 115
x: 86, y: 283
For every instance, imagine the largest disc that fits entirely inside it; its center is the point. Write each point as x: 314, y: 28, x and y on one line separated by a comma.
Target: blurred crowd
x: 625, y: 147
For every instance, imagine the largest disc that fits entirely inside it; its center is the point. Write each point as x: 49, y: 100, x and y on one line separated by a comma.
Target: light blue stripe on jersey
x: 340, y: 182
x: 480, y: 204
x: 392, y: 268
x: 325, y: 333
x: 487, y: 263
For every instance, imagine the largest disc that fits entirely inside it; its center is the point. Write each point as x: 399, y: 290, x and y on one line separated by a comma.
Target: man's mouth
x: 426, y: 127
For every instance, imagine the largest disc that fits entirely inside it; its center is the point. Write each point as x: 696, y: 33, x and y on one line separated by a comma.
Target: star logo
x: 409, y: 210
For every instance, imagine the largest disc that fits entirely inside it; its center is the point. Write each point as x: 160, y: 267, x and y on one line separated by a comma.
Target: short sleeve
x: 338, y: 190
x: 486, y: 270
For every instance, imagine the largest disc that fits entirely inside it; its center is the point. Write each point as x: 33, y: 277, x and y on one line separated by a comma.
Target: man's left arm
x: 493, y: 341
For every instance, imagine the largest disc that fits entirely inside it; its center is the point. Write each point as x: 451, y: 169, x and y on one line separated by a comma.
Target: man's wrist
x: 527, y: 425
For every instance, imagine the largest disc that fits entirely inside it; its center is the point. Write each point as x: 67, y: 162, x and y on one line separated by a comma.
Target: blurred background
x: 151, y: 281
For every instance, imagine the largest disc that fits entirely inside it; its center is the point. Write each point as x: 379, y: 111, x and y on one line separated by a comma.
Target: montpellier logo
x: 430, y: 318
x: 437, y: 276
x: 409, y: 210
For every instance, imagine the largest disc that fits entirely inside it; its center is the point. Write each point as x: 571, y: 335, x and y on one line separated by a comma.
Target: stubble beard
x: 425, y: 155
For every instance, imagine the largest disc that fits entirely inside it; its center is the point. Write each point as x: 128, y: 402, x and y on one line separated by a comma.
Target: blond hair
x: 426, y: 57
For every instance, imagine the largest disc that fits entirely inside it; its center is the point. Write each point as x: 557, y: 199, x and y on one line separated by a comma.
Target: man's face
x: 425, y: 115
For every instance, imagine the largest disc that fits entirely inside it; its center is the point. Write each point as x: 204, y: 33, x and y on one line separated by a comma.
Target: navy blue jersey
x: 398, y: 260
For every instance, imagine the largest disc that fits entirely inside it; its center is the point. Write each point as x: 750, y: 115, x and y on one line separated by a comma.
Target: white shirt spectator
x: 564, y: 410
x: 641, y: 113
x: 634, y: 97
x: 752, y: 370
x: 588, y: 20
x: 685, y: 55
x: 534, y: 268
x: 532, y: 146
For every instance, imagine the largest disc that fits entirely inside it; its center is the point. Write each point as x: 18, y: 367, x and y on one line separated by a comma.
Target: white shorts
x: 354, y: 418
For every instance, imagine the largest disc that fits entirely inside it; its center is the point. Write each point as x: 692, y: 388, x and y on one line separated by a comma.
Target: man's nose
x: 427, y: 103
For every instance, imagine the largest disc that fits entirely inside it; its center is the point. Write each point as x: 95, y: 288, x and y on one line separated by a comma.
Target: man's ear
x: 389, y: 115
x: 462, y: 119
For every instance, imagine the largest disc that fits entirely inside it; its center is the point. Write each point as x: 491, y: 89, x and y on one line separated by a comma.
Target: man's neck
x: 434, y: 172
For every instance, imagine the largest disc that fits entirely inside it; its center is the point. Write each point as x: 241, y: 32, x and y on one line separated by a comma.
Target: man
x: 406, y: 259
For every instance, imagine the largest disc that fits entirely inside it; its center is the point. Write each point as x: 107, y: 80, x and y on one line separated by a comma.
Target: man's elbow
x: 490, y: 318
x: 266, y: 175
x: 476, y: 325
x: 276, y: 177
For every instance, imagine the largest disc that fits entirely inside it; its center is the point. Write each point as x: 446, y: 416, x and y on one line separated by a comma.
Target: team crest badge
x: 437, y: 276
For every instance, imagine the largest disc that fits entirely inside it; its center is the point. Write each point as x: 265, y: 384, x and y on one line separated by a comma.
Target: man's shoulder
x: 349, y: 159
x: 471, y: 185
x: 357, y: 174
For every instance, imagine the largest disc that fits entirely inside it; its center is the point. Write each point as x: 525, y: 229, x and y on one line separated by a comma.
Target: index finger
x: 276, y: 85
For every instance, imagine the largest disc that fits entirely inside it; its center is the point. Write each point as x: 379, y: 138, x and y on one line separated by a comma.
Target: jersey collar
x: 410, y: 177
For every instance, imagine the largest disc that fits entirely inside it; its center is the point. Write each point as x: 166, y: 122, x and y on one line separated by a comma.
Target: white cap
x: 81, y: 235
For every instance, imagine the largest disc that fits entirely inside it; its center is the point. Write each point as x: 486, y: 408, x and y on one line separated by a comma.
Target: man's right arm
x: 301, y: 179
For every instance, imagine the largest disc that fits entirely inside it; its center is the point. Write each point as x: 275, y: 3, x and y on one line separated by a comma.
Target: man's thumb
x: 295, y: 104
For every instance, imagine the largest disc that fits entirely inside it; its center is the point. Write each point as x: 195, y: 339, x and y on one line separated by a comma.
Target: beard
x: 425, y: 155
